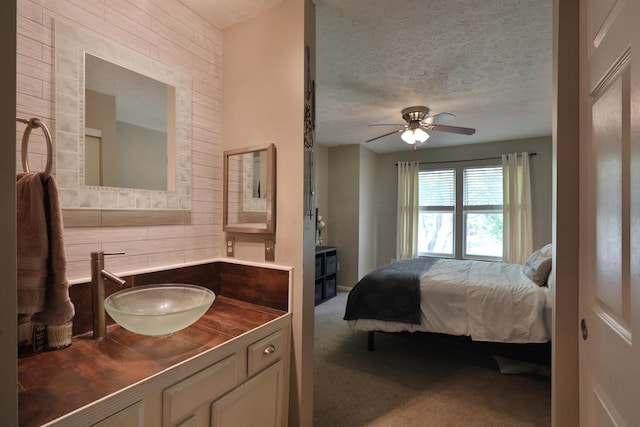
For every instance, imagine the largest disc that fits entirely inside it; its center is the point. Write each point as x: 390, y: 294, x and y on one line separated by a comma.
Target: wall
x: 137, y: 142
x: 263, y: 94
x: 167, y: 32
x: 101, y: 116
x: 374, y: 216
x: 351, y: 226
x: 321, y: 181
x: 368, y: 218
x: 344, y: 211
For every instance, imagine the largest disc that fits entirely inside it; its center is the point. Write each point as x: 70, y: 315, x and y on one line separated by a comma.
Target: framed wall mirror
x: 249, y: 193
x: 128, y: 117
x: 123, y: 127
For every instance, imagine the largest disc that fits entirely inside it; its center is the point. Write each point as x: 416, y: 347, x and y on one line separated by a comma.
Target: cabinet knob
x: 269, y: 350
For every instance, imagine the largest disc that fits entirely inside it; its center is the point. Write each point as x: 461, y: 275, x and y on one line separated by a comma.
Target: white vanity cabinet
x: 241, y: 382
x: 246, y: 388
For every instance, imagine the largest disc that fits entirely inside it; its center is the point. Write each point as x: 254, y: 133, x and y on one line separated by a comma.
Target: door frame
x: 565, y: 409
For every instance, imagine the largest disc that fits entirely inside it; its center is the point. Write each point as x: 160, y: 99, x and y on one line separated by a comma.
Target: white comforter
x: 488, y: 301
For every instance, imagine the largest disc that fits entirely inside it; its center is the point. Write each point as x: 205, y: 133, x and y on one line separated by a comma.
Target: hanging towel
x: 33, y: 243
x: 43, y: 288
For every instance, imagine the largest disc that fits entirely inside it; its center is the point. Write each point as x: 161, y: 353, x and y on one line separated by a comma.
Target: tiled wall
x: 167, y: 32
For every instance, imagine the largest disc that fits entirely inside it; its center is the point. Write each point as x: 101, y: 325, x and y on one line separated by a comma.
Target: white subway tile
x: 167, y: 32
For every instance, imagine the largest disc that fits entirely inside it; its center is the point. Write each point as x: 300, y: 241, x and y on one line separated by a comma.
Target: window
x: 468, y: 199
x: 482, y: 210
x: 436, y: 217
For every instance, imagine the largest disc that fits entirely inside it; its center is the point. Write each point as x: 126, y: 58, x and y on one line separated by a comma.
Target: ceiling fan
x: 418, y: 122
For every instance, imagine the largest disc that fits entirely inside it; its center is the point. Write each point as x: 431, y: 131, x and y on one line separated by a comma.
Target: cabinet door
x: 256, y: 403
x: 184, y: 398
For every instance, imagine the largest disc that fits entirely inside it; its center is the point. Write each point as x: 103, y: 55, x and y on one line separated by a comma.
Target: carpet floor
x: 421, y: 379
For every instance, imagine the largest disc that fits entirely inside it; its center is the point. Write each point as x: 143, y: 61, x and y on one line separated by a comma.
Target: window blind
x: 437, y: 187
x: 482, y: 186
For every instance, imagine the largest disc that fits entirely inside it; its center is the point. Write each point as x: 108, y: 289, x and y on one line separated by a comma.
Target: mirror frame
x: 270, y: 224
x: 71, y: 43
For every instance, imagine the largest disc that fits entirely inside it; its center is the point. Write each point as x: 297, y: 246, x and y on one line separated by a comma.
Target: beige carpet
x: 417, y: 380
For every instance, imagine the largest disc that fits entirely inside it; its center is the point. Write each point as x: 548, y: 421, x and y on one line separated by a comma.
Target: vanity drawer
x: 265, y: 352
x: 128, y: 417
x: 202, y: 387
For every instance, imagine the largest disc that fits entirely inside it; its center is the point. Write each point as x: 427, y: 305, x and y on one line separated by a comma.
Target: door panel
x: 609, y: 225
x: 609, y: 152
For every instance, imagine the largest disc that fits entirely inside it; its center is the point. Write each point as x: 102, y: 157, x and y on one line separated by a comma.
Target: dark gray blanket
x: 390, y: 293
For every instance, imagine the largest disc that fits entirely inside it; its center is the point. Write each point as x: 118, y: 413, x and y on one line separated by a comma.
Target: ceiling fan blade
x: 438, y: 118
x: 382, y: 136
x: 451, y: 129
x: 387, y: 124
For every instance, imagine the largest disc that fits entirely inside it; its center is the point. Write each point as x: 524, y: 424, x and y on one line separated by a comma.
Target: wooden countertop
x: 54, y: 383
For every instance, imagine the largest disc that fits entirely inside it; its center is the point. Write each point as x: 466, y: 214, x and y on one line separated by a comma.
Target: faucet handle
x: 100, y: 254
x: 112, y: 253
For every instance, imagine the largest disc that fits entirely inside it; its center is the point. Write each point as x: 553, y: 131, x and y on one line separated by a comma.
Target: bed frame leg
x: 371, y: 344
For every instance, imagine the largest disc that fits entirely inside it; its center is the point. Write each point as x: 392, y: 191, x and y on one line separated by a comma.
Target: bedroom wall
x: 343, y: 209
x: 321, y: 180
x: 367, y: 215
x: 373, y: 227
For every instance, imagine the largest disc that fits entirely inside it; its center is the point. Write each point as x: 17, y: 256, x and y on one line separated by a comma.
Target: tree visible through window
x: 482, y: 220
x: 469, y: 199
x: 436, y: 218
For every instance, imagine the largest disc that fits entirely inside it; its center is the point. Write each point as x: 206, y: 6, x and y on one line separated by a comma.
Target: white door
x: 610, y: 213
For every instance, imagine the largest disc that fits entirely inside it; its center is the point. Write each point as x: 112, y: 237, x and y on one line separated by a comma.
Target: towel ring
x: 32, y: 124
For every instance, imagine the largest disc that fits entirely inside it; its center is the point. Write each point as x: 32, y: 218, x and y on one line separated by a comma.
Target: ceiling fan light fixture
x: 408, y: 136
x: 411, y: 136
x: 418, y: 122
x: 420, y: 135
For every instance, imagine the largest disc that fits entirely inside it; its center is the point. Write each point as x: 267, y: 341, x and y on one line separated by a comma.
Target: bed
x: 486, y: 301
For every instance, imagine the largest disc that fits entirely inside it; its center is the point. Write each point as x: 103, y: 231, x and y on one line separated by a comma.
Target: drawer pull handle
x: 269, y: 350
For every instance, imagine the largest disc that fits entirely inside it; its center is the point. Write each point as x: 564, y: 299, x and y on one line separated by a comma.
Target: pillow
x: 547, y: 250
x: 538, y: 265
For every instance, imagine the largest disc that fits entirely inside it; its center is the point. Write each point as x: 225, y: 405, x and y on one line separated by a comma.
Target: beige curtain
x: 407, y: 225
x: 517, y: 238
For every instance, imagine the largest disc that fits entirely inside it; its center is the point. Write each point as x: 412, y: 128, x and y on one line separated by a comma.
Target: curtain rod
x: 467, y: 160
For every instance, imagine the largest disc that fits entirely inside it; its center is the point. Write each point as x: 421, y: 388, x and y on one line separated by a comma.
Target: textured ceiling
x: 225, y: 13
x: 489, y: 62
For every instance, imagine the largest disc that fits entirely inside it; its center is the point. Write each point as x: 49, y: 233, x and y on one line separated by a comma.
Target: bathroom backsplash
x: 259, y: 285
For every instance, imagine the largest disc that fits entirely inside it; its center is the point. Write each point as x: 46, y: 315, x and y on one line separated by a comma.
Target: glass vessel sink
x: 158, y: 310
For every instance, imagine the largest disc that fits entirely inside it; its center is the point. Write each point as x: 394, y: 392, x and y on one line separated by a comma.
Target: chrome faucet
x: 98, y: 277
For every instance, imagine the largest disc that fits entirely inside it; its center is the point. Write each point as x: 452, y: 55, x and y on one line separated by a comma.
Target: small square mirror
x: 249, y: 193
